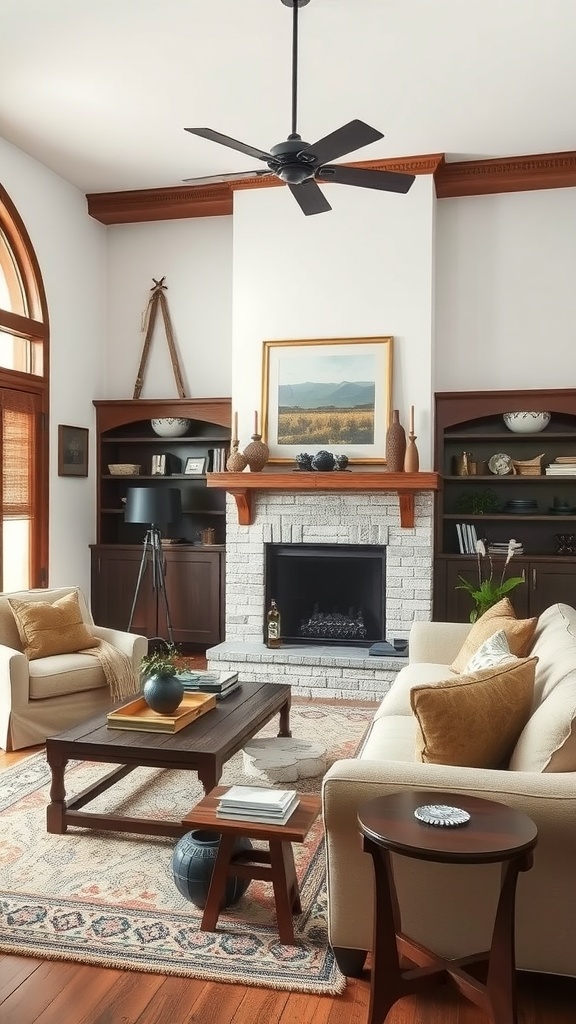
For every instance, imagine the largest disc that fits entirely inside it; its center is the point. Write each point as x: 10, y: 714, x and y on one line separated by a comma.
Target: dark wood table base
x: 275, y: 865
x: 402, y: 966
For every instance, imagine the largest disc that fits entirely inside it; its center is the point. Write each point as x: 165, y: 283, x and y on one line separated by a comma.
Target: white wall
x: 365, y: 269
x: 195, y: 257
x: 71, y: 250
x: 506, y: 291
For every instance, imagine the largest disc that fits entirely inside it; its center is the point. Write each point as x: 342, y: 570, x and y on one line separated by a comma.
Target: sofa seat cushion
x: 48, y: 628
x: 64, y: 673
x: 397, y: 700
x: 548, y: 740
x: 474, y: 721
x: 519, y: 633
x: 391, y: 738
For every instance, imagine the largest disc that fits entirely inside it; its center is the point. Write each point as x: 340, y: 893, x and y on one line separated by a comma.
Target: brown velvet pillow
x: 474, y: 721
x: 519, y: 633
x: 46, y: 629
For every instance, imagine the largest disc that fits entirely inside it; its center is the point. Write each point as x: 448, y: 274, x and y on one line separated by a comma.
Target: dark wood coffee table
x: 204, y: 746
x: 495, y: 833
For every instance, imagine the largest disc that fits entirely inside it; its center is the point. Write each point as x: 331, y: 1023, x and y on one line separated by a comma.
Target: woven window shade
x: 18, y: 453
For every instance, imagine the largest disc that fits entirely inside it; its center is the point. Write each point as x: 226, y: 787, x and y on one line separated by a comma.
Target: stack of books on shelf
x: 203, y: 681
x: 501, y: 548
x: 254, y: 803
x: 217, y: 460
x: 564, y: 465
x: 467, y: 538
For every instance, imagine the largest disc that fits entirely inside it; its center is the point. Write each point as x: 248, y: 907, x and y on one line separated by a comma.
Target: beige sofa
x: 42, y: 697
x: 451, y: 907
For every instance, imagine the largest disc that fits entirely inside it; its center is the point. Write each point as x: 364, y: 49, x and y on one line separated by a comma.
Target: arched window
x: 23, y: 408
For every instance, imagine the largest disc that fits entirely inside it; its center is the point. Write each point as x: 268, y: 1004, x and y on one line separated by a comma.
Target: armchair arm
x: 14, y: 687
x: 132, y: 644
x: 436, y: 642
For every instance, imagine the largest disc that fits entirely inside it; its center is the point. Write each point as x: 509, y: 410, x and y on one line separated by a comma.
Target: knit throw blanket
x: 118, y: 669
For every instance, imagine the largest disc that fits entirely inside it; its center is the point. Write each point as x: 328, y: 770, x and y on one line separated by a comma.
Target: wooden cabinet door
x: 459, y: 604
x: 194, y: 584
x: 114, y: 576
x: 551, y: 583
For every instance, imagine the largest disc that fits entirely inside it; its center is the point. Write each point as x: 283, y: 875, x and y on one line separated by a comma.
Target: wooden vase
x: 411, y: 458
x: 395, y: 445
x: 257, y: 454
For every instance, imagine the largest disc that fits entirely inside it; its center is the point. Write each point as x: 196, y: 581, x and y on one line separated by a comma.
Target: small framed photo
x: 72, y: 450
x: 195, y: 467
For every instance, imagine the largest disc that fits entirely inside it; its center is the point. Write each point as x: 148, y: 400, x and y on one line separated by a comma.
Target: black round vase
x: 163, y: 693
x: 193, y: 863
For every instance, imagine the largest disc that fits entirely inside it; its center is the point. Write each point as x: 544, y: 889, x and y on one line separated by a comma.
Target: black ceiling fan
x: 301, y: 165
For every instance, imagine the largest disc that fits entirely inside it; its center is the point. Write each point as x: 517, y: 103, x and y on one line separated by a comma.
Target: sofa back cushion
x: 501, y: 616
x: 548, y: 740
x: 50, y: 628
x: 475, y: 720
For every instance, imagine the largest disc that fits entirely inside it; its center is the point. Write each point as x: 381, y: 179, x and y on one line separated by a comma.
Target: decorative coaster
x: 441, y: 814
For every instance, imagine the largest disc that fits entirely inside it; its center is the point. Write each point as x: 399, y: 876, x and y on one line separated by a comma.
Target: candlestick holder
x: 411, y: 458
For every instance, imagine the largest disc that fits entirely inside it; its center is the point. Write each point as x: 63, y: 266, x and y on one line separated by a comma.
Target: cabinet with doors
x: 192, y: 547
x: 521, y: 502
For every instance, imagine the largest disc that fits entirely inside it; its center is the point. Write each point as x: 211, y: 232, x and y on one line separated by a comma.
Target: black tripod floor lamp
x: 156, y: 506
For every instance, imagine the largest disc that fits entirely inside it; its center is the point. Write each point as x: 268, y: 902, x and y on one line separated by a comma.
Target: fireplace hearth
x: 328, y: 594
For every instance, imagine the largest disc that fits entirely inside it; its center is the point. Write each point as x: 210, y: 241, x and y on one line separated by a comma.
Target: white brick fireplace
x: 292, y: 516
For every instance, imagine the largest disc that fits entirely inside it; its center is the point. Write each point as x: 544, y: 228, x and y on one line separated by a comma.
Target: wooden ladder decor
x: 158, y: 298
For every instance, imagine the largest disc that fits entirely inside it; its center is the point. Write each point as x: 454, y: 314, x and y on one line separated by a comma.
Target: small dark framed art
x: 194, y: 466
x: 72, y: 450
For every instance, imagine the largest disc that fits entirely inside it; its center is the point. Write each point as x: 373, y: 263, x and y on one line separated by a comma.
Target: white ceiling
x: 101, y: 90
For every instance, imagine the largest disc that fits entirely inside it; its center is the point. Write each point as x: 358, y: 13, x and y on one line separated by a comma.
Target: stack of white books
x: 254, y: 803
x: 562, y: 466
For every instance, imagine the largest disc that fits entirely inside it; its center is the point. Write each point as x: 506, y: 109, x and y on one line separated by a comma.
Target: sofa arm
x: 14, y: 687
x: 436, y: 642
x: 132, y: 644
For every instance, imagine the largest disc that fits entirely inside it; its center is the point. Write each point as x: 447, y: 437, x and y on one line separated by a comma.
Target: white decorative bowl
x: 526, y: 422
x: 170, y: 426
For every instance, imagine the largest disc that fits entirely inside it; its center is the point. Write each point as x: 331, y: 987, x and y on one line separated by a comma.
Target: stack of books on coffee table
x: 254, y: 803
x: 202, y: 681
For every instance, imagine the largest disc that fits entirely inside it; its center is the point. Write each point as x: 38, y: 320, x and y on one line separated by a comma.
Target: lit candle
x: 411, y: 429
x: 256, y: 421
x: 235, y: 435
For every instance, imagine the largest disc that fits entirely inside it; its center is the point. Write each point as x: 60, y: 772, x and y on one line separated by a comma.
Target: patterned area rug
x: 109, y: 899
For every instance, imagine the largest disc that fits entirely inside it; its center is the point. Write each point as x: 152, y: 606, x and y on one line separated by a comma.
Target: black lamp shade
x: 158, y: 505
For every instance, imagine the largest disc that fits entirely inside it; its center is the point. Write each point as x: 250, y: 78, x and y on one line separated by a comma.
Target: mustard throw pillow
x: 519, y: 633
x: 47, y: 629
x: 474, y: 721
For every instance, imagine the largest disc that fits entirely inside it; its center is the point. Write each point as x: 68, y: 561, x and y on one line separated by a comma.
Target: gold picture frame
x: 327, y: 393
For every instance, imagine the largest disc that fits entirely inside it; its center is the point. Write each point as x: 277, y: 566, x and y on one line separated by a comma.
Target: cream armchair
x: 44, y: 696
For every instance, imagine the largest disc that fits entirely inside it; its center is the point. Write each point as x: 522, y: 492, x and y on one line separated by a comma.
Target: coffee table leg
x: 209, y: 777
x: 285, y: 719
x: 217, y: 891
x: 56, y: 808
x: 286, y: 893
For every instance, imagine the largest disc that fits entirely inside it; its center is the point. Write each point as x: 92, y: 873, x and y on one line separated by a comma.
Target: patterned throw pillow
x: 46, y: 629
x: 500, y: 616
x: 494, y: 651
x: 474, y: 721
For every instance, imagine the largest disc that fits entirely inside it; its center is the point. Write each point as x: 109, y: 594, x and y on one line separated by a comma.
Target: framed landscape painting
x: 331, y: 394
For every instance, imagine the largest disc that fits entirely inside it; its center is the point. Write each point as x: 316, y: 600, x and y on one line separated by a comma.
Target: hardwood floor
x: 34, y: 991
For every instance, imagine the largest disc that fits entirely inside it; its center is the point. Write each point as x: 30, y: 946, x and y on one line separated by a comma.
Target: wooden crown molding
x: 452, y: 180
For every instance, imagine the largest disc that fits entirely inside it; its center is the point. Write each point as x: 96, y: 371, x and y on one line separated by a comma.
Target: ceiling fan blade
x: 310, y: 198
x: 344, y: 140
x: 386, y: 181
x: 225, y: 140
x: 212, y: 179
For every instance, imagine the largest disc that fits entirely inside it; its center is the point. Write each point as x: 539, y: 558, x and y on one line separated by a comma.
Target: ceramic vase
x: 411, y: 458
x: 395, y: 445
x: 163, y: 693
x: 257, y: 453
x: 193, y: 863
x: 236, y: 461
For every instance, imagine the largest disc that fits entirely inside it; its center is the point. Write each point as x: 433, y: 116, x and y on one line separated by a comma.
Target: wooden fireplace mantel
x: 242, y: 485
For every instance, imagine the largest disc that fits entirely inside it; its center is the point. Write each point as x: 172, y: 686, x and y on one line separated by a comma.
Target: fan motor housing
x: 289, y: 163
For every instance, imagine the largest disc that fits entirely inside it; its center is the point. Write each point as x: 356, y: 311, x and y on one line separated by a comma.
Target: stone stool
x: 284, y: 759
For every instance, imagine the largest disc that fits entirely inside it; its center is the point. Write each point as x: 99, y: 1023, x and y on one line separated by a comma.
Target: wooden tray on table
x: 137, y: 714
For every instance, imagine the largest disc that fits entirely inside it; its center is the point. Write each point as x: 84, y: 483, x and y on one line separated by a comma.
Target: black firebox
x: 328, y: 594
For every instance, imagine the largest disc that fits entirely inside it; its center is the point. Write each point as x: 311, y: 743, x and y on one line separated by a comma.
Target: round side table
x: 494, y: 833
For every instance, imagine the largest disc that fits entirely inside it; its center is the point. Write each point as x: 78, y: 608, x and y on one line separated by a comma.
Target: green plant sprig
x: 488, y: 591
x: 162, y: 662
